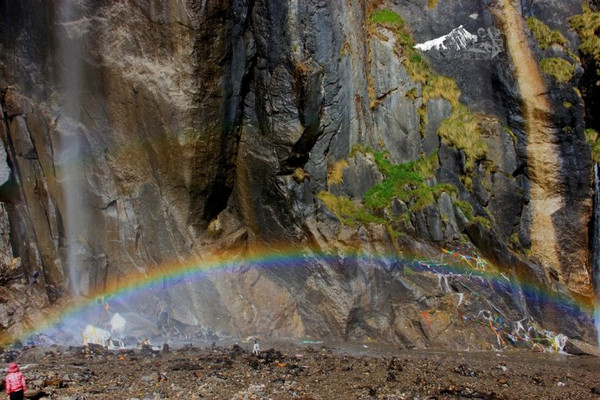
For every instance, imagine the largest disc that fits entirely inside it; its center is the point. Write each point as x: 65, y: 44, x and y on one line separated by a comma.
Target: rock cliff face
x: 142, y: 133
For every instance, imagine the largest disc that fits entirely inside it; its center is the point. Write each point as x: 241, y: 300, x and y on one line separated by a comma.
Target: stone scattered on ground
x: 302, y: 371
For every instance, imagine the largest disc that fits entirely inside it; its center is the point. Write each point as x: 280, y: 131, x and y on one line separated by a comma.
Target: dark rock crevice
x: 308, y: 79
x: 31, y: 206
x: 220, y: 71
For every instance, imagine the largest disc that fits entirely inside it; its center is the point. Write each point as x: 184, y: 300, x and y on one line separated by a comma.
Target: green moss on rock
x: 560, y: 69
x: 462, y: 131
x: 346, y: 210
x: 587, y: 26
x: 483, y: 221
x: 387, y: 18
x: 543, y: 35
x: 406, y: 182
x: 441, y: 87
x: 414, y: 63
x: 593, y: 140
x: 466, y: 208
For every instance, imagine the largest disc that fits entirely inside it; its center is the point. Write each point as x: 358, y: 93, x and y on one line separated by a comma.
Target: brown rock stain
x: 543, y: 156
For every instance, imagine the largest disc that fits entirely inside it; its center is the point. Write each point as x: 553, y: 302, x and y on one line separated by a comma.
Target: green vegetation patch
x: 510, y: 133
x: 346, y: 210
x: 560, y: 69
x: 514, y: 240
x: 387, y: 18
x: 461, y: 130
x: 592, y: 138
x: 483, y: 221
x: 361, y: 148
x: 543, y: 35
x: 406, y: 182
x: 441, y: 87
x: 466, y: 208
x: 414, y: 63
x: 587, y: 26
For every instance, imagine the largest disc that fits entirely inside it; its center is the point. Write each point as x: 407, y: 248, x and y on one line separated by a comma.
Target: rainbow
x: 171, y: 273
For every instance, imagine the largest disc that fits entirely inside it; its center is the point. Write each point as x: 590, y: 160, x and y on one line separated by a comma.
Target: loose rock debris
x: 289, y: 370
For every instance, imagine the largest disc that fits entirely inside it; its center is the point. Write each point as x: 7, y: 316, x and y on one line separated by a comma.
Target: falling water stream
x: 69, y: 157
x: 596, y: 250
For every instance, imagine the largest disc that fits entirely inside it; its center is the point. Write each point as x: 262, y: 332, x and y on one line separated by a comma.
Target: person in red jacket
x: 15, y: 383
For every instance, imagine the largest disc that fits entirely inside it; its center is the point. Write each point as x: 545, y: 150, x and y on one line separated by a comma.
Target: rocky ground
x: 303, y: 371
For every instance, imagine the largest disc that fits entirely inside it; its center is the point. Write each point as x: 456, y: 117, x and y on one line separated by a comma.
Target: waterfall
x: 69, y: 157
x: 595, y: 240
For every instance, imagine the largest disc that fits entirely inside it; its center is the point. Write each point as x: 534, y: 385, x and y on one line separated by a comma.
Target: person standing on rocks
x: 15, y: 383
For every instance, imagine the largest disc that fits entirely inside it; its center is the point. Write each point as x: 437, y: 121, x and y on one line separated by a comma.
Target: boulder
x: 581, y: 348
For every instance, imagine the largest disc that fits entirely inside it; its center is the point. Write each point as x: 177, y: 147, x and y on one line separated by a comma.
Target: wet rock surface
x: 303, y: 370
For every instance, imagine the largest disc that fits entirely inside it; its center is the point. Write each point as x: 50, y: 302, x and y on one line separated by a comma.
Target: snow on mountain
x: 458, y: 39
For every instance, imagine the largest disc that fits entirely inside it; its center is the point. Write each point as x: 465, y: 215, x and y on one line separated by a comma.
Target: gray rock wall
x: 214, y: 125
